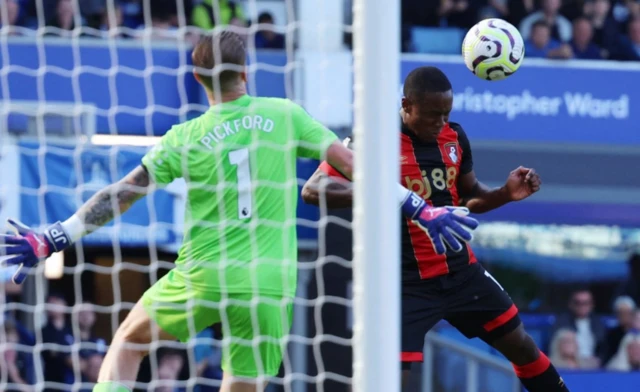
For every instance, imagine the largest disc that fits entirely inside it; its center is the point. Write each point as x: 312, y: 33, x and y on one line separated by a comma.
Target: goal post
x: 376, y: 267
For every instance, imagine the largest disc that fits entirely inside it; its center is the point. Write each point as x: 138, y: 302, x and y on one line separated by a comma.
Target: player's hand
x: 27, y: 248
x: 448, y: 226
x: 522, y: 183
x: 443, y: 225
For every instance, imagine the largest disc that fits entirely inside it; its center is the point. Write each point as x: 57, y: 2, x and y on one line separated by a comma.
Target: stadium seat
x: 436, y: 40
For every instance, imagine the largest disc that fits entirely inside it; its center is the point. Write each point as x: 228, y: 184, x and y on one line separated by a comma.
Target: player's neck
x: 419, y: 136
x: 227, y: 96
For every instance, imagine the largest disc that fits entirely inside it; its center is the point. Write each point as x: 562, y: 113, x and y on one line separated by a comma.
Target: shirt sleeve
x: 163, y: 160
x: 313, y: 138
x: 466, y: 166
x: 329, y: 170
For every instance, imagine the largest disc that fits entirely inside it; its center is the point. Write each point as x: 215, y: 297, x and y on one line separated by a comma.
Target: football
x: 493, y: 49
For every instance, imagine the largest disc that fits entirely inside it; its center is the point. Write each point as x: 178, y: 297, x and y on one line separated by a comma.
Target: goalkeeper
x: 237, y: 263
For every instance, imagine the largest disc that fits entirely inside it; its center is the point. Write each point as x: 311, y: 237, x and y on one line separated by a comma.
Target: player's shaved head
x: 226, y: 49
x: 425, y: 80
x: 427, y: 102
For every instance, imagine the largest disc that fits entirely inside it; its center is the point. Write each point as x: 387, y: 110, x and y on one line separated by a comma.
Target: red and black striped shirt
x: 431, y: 170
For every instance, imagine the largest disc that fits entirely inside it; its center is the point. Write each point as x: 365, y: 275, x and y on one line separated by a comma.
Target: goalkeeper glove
x: 449, y: 225
x: 28, y: 248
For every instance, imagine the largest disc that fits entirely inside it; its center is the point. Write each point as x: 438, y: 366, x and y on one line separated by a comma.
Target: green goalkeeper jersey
x: 239, y: 163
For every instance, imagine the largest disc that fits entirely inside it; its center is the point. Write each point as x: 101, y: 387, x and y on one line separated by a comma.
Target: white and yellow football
x: 493, y: 49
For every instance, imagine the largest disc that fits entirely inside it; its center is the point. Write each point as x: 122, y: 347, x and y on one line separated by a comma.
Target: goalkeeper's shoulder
x: 180, y: 134
x: 282, y: 104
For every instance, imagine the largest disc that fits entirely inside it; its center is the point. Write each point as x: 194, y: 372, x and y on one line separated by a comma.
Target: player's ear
x: 406, y: 106
x: 195, y: 75
x: 243, y: 75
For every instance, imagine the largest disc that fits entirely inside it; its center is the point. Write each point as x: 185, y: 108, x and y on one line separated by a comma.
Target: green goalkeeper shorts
x: 254, y: 327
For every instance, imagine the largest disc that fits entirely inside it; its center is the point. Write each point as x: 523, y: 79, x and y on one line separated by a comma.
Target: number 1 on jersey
x: 240, y: 158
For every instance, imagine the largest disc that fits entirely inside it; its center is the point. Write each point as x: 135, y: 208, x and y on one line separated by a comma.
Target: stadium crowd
x: 556, y: 29
x: 132, y: 19
x: 71, y: 352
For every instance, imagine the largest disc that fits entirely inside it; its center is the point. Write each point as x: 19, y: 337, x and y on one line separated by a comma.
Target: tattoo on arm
x: 114, y: 199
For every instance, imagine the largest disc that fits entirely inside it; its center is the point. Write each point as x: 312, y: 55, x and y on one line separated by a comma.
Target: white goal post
x: 376, y: 267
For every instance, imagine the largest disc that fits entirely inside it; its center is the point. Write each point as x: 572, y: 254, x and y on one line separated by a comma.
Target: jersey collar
x: 243, y: 101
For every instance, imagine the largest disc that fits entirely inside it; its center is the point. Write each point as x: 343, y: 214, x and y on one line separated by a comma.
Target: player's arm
x: 115, y: 199
x: 337, y: 193
x: 443, y: 225
x: 478, y: 197
x: 29, y: 247
x: 334, y: 186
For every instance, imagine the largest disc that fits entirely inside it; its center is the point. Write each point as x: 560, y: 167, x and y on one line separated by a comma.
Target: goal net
x: 87, y: 87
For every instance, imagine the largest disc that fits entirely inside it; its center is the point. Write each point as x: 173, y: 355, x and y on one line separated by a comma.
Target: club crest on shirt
x: 451, y: 150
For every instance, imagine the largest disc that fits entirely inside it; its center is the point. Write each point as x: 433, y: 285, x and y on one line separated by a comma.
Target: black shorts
x: 471, y: 300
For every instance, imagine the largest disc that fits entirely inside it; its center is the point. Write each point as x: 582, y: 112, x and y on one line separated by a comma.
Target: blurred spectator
x: 64, y: 16
x: 207, y: 357
x: 590, y: 330
x: 624, y: 308
x: 169, y: 366
x: 131, y: 13
x: 420, y: 13
x: 559, y: 26
x: 500, y: 8
x: 459, y: 13
x: 57, y: 361
x: 514, y: 11
x: 207, y: 15
x: 13, y: 14
x: 239, y: 22
x: 92, y: 11
x: 90, y: 371
x: 572, y: 9
x: 162, y: 15
x: 11, y: 362
x: 90, y: 344
x: 634, y: 37
x: 563, y: 351
x: 630, y: 50
x: 112, y: 20
x: 605, y: 29
x: 581, y: 44
x: 633, y: 354
x: 540, y: 44
x: 628, y: 356
x: 625, y: 10
x: 11, y: 292
x: 266, y: 38
x: 631, y: 287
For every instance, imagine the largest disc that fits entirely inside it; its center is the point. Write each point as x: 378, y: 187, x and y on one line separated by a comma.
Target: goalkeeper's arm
x: 104, y: 205
x: 29, y: 247
x: 340, y: 158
